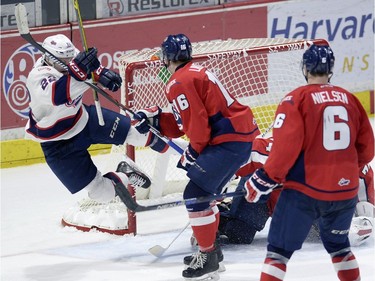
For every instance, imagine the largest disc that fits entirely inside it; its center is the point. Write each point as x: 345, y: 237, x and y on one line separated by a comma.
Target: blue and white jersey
x: 56, y: 109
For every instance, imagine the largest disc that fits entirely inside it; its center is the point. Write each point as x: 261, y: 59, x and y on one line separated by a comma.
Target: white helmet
x: 61, y: 47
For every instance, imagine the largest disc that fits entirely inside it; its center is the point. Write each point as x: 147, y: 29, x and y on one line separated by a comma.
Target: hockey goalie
x: 240, y: 220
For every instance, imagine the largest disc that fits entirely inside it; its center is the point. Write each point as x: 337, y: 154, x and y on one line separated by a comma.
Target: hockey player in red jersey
x: 241, y: 220
x: 322, y: 136
x: 220, y: 131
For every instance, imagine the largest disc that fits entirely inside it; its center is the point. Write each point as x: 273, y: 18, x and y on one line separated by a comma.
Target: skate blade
x: 212, y: 276
x: 221, y: 267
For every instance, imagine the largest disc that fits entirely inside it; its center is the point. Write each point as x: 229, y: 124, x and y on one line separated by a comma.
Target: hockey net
x: 258, y: 72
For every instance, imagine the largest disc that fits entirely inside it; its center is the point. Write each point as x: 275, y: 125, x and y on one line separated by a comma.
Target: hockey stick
x: 23, y: 29
x: 158, y: 250
x: 85, y: 47
x: 270, y: 127
x: 132, y: 205
x: 131, y: 112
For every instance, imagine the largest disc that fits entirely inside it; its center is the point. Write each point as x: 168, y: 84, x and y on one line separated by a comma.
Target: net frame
x: 144, y: 81
x: 136, y: 69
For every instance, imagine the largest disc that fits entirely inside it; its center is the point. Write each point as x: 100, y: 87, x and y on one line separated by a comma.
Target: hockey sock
x: 203, y: 224
x: 346, y: 266
x: 274, y: 267
x: 216, y: 211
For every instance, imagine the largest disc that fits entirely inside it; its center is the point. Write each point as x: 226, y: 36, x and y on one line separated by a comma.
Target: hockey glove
x: 259, y: 187
x: 83, y: 64
x: 146, y: 117
x: 188, y: 158
x: 108, y: 78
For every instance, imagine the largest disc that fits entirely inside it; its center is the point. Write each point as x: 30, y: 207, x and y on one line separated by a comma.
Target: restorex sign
x: 135, y: 7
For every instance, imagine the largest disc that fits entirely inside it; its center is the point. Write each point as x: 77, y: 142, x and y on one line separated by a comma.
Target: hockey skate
x: 135, y: 176
x: 203, y: 266
x: 220, y: 256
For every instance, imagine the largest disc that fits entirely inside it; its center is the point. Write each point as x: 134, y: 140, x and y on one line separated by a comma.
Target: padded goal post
x: 258, y: 72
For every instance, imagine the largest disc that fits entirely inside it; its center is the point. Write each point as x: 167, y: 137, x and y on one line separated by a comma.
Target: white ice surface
x: 35, y: 247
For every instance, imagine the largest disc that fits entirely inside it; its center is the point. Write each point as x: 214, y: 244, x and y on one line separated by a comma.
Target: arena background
x: 117, y: 27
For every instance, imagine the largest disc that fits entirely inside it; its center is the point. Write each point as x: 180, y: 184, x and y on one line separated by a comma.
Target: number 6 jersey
x: 322, y: 135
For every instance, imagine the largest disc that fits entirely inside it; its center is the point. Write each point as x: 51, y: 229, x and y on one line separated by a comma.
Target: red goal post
x: 258, y: 72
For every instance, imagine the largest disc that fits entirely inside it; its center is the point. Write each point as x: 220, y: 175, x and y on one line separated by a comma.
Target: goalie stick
x: 23, y: 29
x: 85, y: 47
x: 132, y: 205
x: 158, y: 250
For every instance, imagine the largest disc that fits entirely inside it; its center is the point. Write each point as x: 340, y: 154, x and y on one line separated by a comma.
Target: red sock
x: 346, y: 267
x: 273, y: 270
x: 204, y: 227
x: 216, y: 211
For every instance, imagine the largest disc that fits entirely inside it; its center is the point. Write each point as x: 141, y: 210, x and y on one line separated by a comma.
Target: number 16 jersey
x: 204, y: 110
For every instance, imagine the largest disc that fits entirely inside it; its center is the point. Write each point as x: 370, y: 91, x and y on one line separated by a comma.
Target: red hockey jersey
x: 204, y: 110
x: 259, y: 154
x: 322, y: 136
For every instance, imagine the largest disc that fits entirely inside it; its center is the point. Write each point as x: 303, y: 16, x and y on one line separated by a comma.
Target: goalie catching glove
x: 83, y: 64
x: 146, y: 117
x: 259, y: 187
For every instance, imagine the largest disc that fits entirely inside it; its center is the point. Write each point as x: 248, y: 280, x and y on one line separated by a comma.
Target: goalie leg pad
x: 364, y: 208
x: 360, y: 230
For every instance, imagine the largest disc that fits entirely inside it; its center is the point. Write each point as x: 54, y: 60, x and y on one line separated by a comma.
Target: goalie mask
x: 176, y: 48
x: 61, y: 47
x: 318, y: 60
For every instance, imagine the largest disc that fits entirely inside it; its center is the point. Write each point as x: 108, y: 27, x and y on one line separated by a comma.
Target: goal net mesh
x: 258, y: 72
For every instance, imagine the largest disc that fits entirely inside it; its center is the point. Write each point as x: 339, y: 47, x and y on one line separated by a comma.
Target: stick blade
x: 21, y: 18
x: 157, y: 251
x: 126, y: 197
